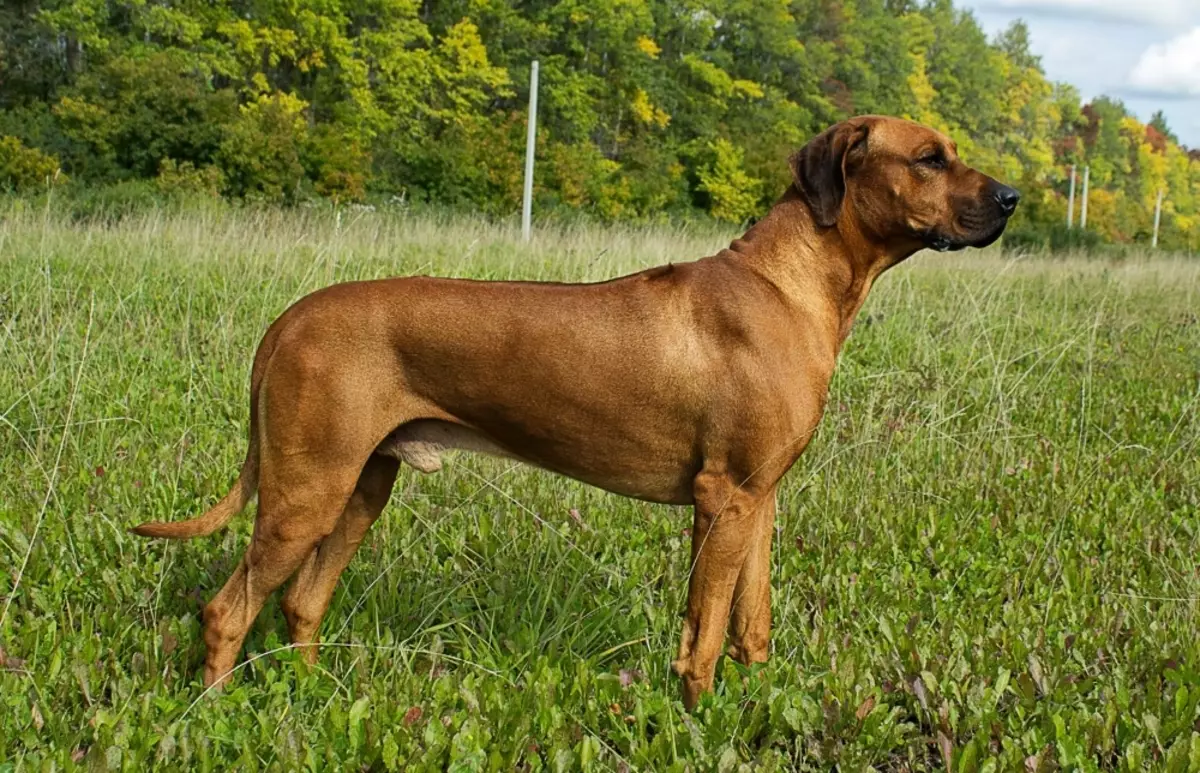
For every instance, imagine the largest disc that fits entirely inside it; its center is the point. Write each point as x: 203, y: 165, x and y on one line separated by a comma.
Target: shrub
x: 733, y: 193
x: 338, y: 165
x: 1056, y: 238
x: 477, y: 164
x: 580, y: 177
x: 114, y: 201
x: 262, y: 150
x: 125, y: 115
x: 182, y: 179
x: 23, y: 168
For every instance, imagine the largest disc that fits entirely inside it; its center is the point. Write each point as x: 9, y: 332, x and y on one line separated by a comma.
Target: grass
x: 989, y: 554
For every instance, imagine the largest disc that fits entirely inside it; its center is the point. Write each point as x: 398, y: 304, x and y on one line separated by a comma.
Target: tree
x: 1158, y: 122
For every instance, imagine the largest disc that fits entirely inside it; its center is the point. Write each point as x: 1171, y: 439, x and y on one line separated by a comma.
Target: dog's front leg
x: 723, y: 532
x: 750, y: 622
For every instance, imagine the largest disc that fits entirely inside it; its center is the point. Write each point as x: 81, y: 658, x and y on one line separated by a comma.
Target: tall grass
x: 989, y: 553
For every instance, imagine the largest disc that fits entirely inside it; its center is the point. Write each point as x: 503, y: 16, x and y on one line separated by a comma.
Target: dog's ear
x: 820, y: 168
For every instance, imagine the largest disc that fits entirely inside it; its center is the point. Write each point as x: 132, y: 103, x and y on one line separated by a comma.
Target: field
x: 990, y: 555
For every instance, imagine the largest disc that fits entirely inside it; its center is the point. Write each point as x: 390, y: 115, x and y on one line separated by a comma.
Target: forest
x: 650, y: 109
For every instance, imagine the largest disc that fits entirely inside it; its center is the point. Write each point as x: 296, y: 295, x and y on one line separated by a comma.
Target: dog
x: 694, y: 383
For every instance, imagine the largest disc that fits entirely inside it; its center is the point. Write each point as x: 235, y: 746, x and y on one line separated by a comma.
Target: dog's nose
x: 1008, y: 198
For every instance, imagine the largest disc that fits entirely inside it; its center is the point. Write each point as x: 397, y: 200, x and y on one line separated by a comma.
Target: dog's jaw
x: 940, y: 242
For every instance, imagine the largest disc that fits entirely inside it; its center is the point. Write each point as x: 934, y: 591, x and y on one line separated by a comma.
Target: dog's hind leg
x: 308, y: 597
x: 300, y: 503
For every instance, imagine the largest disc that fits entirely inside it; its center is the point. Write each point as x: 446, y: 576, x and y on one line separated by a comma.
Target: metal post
x: 1071, y: 201
x: 530, y: 143
x: 1157, y: 218
x: 1087, y: 177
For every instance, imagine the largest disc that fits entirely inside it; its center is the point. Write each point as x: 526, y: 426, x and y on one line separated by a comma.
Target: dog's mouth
x: 941, y: 243
x: 972, y: 232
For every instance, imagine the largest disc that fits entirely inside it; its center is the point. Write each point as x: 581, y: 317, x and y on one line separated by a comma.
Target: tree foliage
x: 650, y: 108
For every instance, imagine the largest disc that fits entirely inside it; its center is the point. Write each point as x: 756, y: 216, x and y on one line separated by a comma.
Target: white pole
x: 1071, y: 201
x: 1087, y: 177
x: 530, y: 142
x: 1157, y: 217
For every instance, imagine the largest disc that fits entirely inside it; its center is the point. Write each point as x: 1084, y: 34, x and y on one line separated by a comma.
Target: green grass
x: 990, y: 551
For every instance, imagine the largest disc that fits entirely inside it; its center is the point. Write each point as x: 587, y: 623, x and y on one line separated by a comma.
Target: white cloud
x: 1155, y: 12
x: 1099, y: 55
x: 1171, y: 68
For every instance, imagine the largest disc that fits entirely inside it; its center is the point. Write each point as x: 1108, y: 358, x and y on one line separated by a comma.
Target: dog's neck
x: 813, y: 266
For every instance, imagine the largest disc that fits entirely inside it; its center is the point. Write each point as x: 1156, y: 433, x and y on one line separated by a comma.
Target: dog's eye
x: 933, y: 160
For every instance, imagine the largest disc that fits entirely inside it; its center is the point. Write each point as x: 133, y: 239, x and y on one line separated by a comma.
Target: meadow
x: 988, y: 559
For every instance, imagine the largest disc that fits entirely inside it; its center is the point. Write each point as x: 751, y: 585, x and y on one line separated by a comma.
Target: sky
x: 1144, y: 52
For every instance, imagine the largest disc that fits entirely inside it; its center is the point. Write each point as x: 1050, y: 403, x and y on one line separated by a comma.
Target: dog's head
x: 902, y: 185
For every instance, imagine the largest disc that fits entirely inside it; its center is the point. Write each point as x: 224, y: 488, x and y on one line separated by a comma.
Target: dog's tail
x: 232, y: 504
x: 246, y: 485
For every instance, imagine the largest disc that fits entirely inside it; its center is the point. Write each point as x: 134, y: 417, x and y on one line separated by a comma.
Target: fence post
x: 1157, y: 218
x: 530, y: 142
x: 1087, y: 176
x: 1071, y: 201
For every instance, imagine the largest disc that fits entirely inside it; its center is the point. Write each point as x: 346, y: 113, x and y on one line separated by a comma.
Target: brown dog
x: 692, y: 384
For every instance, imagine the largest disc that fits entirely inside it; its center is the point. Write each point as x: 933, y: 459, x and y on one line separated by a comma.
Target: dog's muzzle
x: 980, y: 224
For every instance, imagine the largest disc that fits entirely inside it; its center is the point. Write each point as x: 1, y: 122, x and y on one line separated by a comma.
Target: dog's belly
x: 421, y: 443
